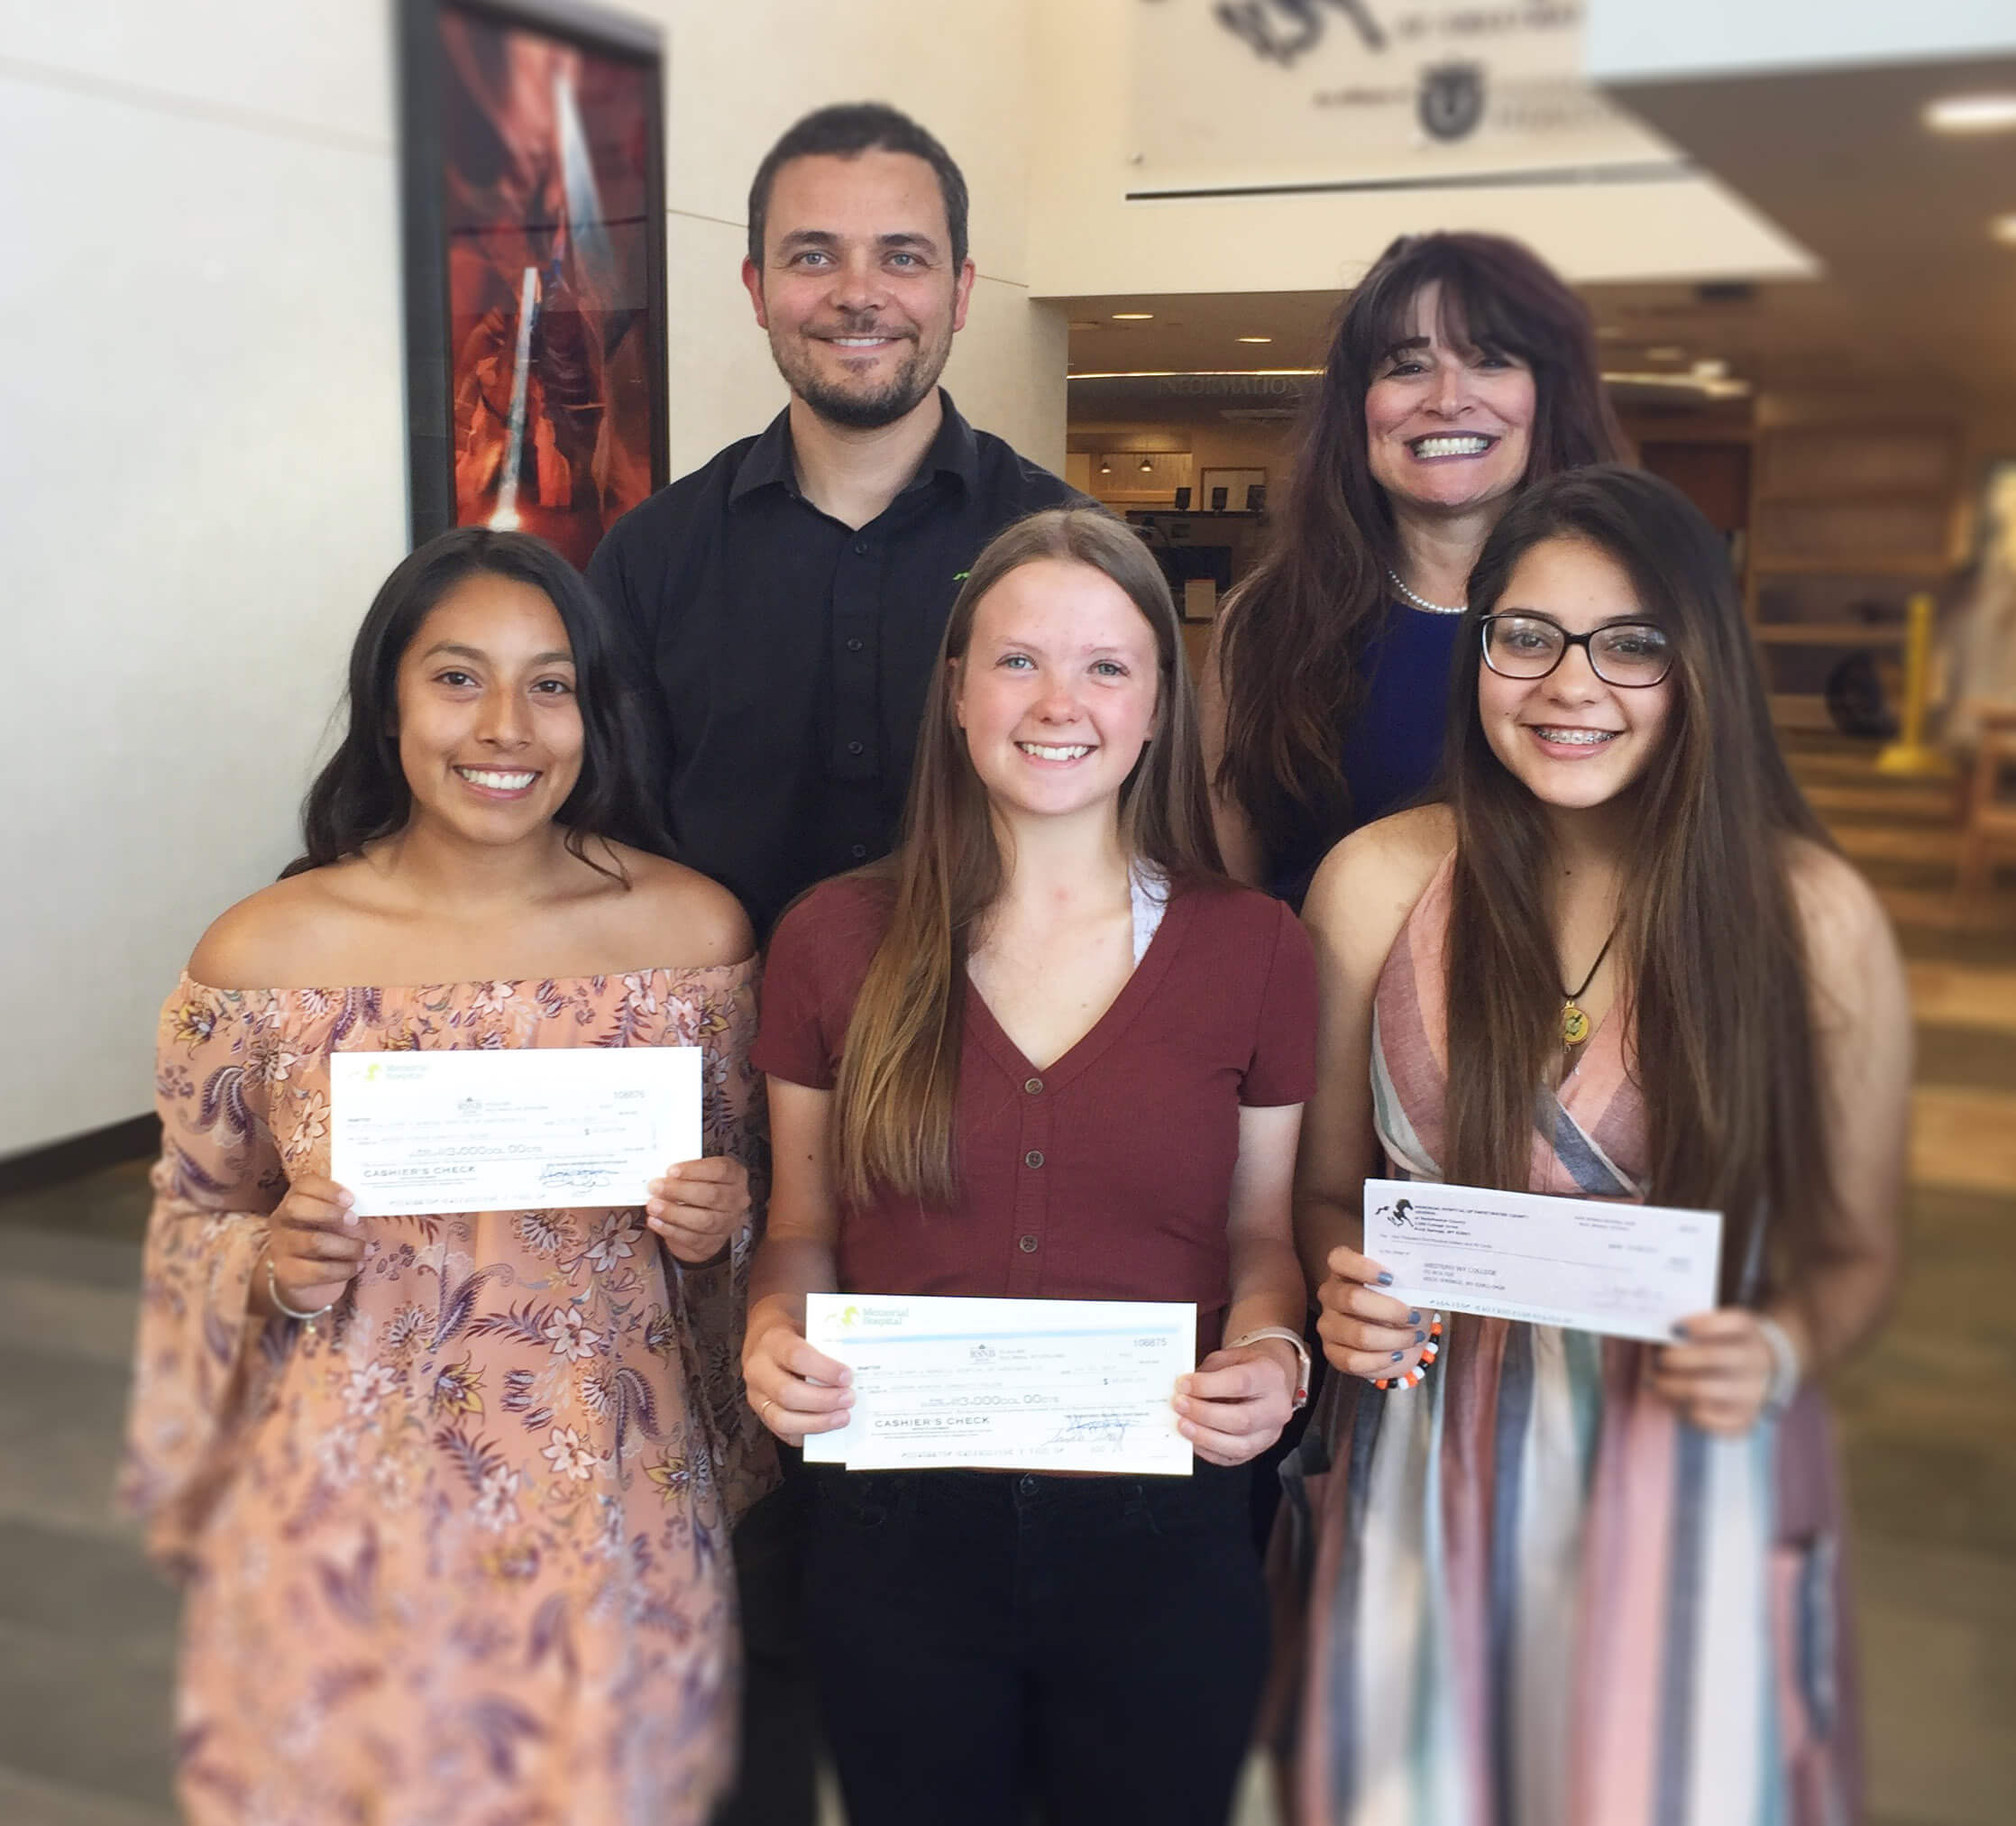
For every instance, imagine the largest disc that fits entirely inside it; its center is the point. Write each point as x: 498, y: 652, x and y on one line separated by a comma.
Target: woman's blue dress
x: 1390, y: 749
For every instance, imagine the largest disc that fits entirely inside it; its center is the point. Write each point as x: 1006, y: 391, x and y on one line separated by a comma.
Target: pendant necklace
x: 1574, y: 1023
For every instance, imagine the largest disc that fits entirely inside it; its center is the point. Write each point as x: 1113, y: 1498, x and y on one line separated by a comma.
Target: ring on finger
x: 763, y: 1413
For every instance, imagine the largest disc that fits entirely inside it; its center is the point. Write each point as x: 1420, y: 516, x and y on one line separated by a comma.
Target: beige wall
x: 206, y: 428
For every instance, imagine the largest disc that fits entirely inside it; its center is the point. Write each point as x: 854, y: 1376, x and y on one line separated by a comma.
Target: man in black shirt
x: 791, y: 594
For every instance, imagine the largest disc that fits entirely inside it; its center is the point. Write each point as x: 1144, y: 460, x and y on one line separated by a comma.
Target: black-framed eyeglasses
x: 1630, y: 654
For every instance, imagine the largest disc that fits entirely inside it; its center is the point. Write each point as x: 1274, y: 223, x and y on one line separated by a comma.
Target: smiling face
x: 489, y: 731
x: 857, y: 288
x: 1573, y: 741
x: 1058, y: 690
x: 1448, y: 429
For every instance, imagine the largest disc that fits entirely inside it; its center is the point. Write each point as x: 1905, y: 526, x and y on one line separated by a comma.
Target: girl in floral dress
x: 451, y: 1493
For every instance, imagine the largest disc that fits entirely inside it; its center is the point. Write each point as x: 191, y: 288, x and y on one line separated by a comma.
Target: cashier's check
x: 1005, y: 1384
x: 1587, y: 1264
x: 414, y: 1133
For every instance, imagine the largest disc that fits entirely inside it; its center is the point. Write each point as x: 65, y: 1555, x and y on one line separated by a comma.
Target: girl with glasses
x: 1549, y: 1578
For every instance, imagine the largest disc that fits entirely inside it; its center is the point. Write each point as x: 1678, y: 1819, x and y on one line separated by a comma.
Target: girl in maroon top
x: 1046, y: 1051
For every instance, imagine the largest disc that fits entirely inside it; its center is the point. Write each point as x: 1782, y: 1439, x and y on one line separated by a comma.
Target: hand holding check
x: 1364, y: 1331
x: 1232, y: 1407
x: 697, y: 1205
x: 314, y: 1249
x: 794, y: 1389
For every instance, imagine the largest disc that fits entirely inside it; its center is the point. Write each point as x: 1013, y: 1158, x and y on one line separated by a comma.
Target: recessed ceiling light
x: 1710, y: 368
x: 1255, y: 339
x: 1133, y: 316
x: 2003, y: 228
x: 1666, y: 351
x: 1972, y: 114
x: 1087, y: 324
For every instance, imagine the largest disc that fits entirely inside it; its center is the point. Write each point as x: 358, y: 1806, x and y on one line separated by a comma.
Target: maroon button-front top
x: 1032, y: 1086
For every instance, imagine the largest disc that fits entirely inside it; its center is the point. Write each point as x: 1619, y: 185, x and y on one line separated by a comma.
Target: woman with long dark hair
x: 1045, y: 1050
x: 1554, y: 1579
x: 451, y: 1492
x: 1461, y: 370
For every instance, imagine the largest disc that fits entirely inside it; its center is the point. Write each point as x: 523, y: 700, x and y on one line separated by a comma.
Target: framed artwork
x: 532, y: 157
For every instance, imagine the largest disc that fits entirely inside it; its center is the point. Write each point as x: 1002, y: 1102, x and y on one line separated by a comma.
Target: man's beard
x: 855, y: 408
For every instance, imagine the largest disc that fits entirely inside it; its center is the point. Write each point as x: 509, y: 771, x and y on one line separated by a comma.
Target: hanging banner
x: 1244, y: 96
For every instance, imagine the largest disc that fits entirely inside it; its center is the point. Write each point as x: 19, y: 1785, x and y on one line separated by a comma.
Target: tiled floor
x: 1930, y: 1414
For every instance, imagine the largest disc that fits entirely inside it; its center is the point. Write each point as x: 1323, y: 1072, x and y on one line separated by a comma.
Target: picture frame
x: 532, y: 177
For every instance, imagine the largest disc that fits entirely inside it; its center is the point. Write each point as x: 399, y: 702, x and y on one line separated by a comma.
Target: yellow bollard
x: 1908, y: 753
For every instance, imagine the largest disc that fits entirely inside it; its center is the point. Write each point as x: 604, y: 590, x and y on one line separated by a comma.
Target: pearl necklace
x: 1393, y: 577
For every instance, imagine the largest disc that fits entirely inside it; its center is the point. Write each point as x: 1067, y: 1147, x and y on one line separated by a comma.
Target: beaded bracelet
x: 1429, y: 1353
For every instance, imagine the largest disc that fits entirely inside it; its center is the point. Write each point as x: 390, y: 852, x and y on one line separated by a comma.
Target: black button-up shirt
x: 792, y: 653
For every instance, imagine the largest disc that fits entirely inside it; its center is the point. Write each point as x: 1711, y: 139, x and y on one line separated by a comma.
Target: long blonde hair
x: 899, y: 1078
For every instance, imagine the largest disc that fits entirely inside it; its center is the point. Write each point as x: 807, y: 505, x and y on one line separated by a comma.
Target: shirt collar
x: 954, y: 452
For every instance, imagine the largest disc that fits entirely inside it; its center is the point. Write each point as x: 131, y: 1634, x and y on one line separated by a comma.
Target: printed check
x: 415, y: 1133
x: 1588, y: 1264
x: 1005, y: 1384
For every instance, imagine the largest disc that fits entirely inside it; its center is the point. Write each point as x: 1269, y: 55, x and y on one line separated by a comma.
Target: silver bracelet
x: 1301, y: 1356
x: 1786, y: 1370
x: 273, y: 1289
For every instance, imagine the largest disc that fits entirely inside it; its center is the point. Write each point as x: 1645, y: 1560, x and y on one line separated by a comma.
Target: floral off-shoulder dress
x: 457, y: 1554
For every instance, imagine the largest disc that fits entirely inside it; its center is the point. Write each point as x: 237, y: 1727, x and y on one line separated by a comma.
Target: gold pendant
x: 1575, y: 1025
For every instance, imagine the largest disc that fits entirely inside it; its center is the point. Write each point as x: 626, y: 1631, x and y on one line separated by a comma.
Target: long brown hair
x: 1291, y: 652
x: 899, y: 1078
x: 1714, y: 972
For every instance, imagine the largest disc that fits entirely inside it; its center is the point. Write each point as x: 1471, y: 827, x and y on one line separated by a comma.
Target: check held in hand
x: 1586, y: 1264
x: 424, y: 1133
x: 1005, y: 1384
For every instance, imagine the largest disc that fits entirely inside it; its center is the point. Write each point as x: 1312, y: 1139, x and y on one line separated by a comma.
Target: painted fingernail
x: 1398, y: 1355
x: 1421, y: 1337
x: 1414, y: 1319
x: 1385, y: 1279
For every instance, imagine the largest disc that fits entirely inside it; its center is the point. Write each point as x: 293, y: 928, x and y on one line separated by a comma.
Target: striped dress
x: 1524, y: 1593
